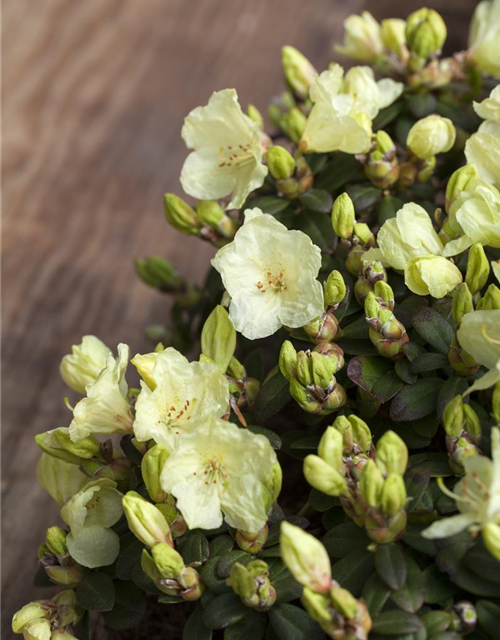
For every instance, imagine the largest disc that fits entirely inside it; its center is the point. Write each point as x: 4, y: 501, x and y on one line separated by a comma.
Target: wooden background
x: 94, y: 95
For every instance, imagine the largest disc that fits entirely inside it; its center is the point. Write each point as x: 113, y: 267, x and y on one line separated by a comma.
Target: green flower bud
x: 273, y: 485
x: 495, y: 403
x: 323, y: 370
x: 218, y: 337
x: 392, y: 454
x: 330, y: 449
x: 491, y: 538
x: 255, y: 116
x: 145, y: 521
x: 344, y: 602
x: 56, y: 541
x: 393, y: 34
x: 393, y: 497
x: 293, y: 124
x: 151, y: 467
x: 324, y: 328
x: 460, y: 360
x: 371, y: 484
x: 149, y: 567
x: 160, y: 274
x: 288, y: 360
x: 335, y: 400
x: 68, y: 576
x: 323, y: 477
x: 305, y: 557
x: 242, y: 581
x: 334, y: 289
x: 343, y: 216
x: 382, y: 167
x: 384, y: 532
x: 29, y: 613
x: 252, y: 541
x: 372, y: 306
x: 86, y: 448
x: 425, y: 169
x: 317, y: 605
x: 211, y: 214
x: 361, y: 433
x: 430, y: 136
x: 478, y: 268
x: 462, y: 302
x: 464, y: 617
x: 491, y: 299
x: 299, y: 72
x: 167, y: 560
x: 384, y: 294
x: 459, y: 181
x: 472, y: 424
x: 307, y: 401
x: 425, y: 32
x: 364, y: 234
x: 280, y: 162
x: 304, y: 369
x: 333, y: 352
x: 453, y: 417
x: 180, y: 215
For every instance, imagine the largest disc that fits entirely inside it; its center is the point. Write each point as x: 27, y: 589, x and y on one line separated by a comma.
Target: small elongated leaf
x: 387, y: 115
x: 353, y: 570
x: 375, y: 375
x: 226, y: 561
x: 317, y: 200
x: 195, y: 548
x: 270, y: 204
x: 317, y: 226
x: 396, y: 623
x: 320, y: 501
x: 416, y: 401
x: 224, y: 610
x: 345, y: 538
x: 96, y: 592
x: 375, y: 593
x: 194, y: 629
x: 221, y: 545
x: 411, y: 596
x: 438, y: 587
x: 433, y: 328
x: 129, y: 608
x: 390, y: 565
x: 429, y: 362
x: 130, y: 554
x: 403, y: 369
x: 416, y: 481
x: 414, y: 539
x: 388, y: 209
x: 293, y: 623
x: 252, y: 627
x: 363, y: 196
x: 272, y: 436
x: 211, y: 578
x: 272, y: 397
x: 488, y: 614
x: 482, y: 563
x: 342, y: 168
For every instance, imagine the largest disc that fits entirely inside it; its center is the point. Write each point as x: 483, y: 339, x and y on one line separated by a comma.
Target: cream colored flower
x: 220, y: 468
x: 409, y: 235
x: 489, y: 108
x: 184, y: 395
x: 362, y: 38
x: 227, y: 151
x: 106, y: 409
x: 479, y: 335
x: 85, y: 363
x: 270, y: 274
x: 484, y: 37
x: 89, y: 514
x: 60, y: 479
x: 482, y: 149
x: 430, y: 136
x: 477, y: 212
x: 432, y: 275
x: 477, y: 496
x: 340, y: 119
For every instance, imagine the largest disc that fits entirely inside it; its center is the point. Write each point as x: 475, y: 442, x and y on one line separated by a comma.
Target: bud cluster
x: 386, y: 332
x: 463, y: 433
x: 54, y: 557
x: 368, y: 481
x: 38, y: 619
x: 252, y: 584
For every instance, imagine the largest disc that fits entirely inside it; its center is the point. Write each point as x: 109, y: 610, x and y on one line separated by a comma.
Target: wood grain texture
x: 94, y: 97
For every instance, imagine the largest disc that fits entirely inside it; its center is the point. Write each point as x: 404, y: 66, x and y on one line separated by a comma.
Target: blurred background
x: 94, y: 96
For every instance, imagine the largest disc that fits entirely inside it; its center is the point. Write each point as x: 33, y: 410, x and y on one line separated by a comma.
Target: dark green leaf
x: 375, y: 375
x: 254, y: 365
x: 221, y: 545
x: 130, y: 554
x: 345, y: 538
x: 433, y: 328
x: 273, y: 396
x: 270, y: 204
x: 226, y: 561
x: 298, y: 445
x: 488, y: 614
x: 403, y: 369
x: 422, y: 104
x: 41, y: 580
x: 129, y: 450
x: 224, y: 610
x: 416, y: 481
x: 129, y: 608
x: 287, y: 588
x: 357, y: 330
x: 340, y: 170
x: 292, y: 623
x: 411, y: 596
x: 428, y: 362
x: 252, y: 627
x: 194, y: 629
x: 82, y: 630
x: 452, y: 387
x: 353, y: 570
x: 317, y: 200
x: 435, y: 463
x: 416, y: 401
x: 354, y: 347
x: 142, y: 580
x: 363, y: 196
x: 395, y: 623
x: 413, y: 538
x: 96, y: 592
x: 211, y: 578
x: 482, y: 563
x: 388, y: 209
x: 390, y: 565
x: 195, y: 548
x: 438, y: 587
x: 320, y: 501
x: 272, y: 436
x: 317, y: 226
x: 387, y: 115
x: 375, y: 593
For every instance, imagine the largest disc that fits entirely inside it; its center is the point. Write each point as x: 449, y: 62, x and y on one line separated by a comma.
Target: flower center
x: 214, y: 470
x: 235, y: 156
x: 272, y: 282
x: 176, y: 411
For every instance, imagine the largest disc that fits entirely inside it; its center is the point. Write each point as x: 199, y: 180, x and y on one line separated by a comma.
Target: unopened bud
x: 304, y: 369
x: 305, y: 557
x: 56, y: 541
x: 336, y: 399
x: 180, y: 215
x: 84, y: 364
x: 425, y: 32
x: 464, y: 617
x: 273, y: 485
x: 299, y: 72
x: 242, y: 581
x: 462, y: 302
x: 333, y: 352
x: 293, y: 124
x: 151, y: 467
x: 323, y: 477
x: 280, y: 162
x: 393, y: 497
x: 218, y: 338
x: 334, y: 289
x: 364, y: 234
x: 343, y: 216
x: 323, y: 370
x: 453, y: 417
x: 157, y: 272
x: 393, y: 34
x: 167, y: 560
x: 371, y: 484
x: 425, y: 169
x: 430, y: 136
x: 255, y: 116
x: 344, y: 602
x: 211, y: 214
x: 463, y: 363
x: 330, y: 449
x: 382, y: 167
x: 491, y: 538
x: 362, y: 38
x: 324, y: 328
x: 459, y: 181
x: 29, y: 613
x: 86, y: 448
x: 491, y: 299
x: 145, y: 521
x: 252, y: 541
x: 392, y: 453
x: 384, y: 293
x: 317, y: 605
x: 478, y: 268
